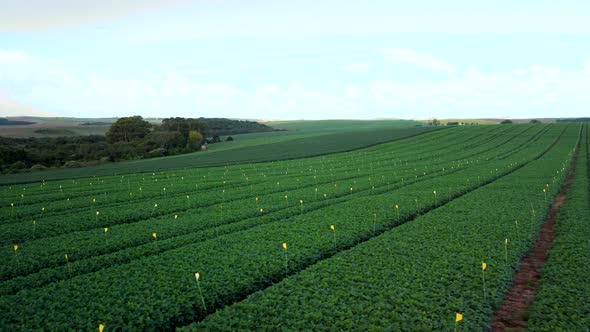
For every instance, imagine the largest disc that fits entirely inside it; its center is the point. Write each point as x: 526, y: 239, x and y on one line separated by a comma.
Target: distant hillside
x: 6, y: 122
x: 574, y: 120
x: 223, y: 127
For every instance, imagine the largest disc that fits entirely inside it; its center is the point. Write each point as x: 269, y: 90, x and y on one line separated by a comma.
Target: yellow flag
x: 100, y: 327
x: 332, y: 227
x: 285, y: 245
x: 300, y: 201
x: 154, y: 235
x: 175, y: 216
x: 106, y: 229
x: 484, y: 266
x: 197, y: 276
x: 458, y: 317
x: 396, y: 206
x: 15, y: 247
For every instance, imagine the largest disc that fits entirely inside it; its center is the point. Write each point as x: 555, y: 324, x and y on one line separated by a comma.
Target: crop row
x: 175, y: 233
x: 80, y: 193
x: 159, y: 291
x: 562, y: 302
x: 84, y: 218
x: 51, y: 226
x: 416, y: 276
x: 50, y: 251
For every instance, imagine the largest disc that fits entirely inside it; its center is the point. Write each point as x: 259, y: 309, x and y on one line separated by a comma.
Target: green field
x: 311, y: 138
x: 387, y: 236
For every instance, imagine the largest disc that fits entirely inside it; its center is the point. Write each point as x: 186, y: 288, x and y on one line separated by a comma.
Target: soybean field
x: 422, y: 232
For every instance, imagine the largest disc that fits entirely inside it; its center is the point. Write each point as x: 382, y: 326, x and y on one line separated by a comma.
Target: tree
x: 164, y: 139
x: 535, y: 121
x: 194, y: 140
x: 229, y: 139
x: 435, y: 122
x: 200, y: 126
x: 184, y: 126
x: 128, y: 129
x: 506, y: 122
x: 176, y: 124
x: 216, y: 139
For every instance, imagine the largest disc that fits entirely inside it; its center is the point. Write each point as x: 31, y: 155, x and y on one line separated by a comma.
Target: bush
x: 229, y: 139
x: 38, y: 167
x: 73, y: 164
x: 159, y: 152
x: 506, y: 122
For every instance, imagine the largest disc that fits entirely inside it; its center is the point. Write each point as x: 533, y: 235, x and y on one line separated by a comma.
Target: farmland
x: 301, y: 139
x: 388, y: 236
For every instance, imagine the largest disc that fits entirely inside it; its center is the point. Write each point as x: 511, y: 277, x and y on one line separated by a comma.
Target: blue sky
x: 296, y: 59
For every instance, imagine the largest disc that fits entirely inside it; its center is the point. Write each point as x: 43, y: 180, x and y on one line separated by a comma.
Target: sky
x: 263, y: 59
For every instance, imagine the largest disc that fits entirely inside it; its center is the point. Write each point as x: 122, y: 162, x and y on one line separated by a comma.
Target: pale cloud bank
x: 418, y: 59
x: 31, y: 15
x: 534, y: 91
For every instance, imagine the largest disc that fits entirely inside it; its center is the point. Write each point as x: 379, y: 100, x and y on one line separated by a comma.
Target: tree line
x: 127, y: 138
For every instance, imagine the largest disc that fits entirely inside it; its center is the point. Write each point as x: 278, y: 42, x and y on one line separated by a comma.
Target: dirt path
x: 513, y: 313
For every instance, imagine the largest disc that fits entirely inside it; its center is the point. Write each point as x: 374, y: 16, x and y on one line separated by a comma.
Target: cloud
x: 418, y: 59
x: 53, y: 86
x: 355, y: 67
x: 44, y: 14
x: 12, y: 108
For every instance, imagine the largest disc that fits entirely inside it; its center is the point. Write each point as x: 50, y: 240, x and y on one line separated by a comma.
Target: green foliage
x: 229, y: 139
x: 6, y: 122
x: 219, y: 126
x: 221, y: 232
x: 562, y: 302
x: 267, y: 148
x: 506, y: 122
x: 128, y: 129
x: 49, y: 152
x: 416, y: 276
x: 184, y: 126
x: 167, y: 140
x: 195, y: 139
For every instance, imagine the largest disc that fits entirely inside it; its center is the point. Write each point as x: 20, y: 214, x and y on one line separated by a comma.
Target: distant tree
x: 164, y: 139
x: 216, y: 139
x: 229, y: 139
x: 176, y: 124
x: 535, y: 121
x: 195, y: 139
x: 128, y: 129
x: 506, y: 122
x: 434, y: 122
x: 198, y: 125
x: 184, y: 126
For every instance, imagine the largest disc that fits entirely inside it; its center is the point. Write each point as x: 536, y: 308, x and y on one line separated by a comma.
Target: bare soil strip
x: 513, y: 313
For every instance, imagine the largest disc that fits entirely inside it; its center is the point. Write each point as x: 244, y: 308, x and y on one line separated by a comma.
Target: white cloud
x: 51, y: 86
x: 355, y: 67
x: 44, y: 14
x: 418, y: 59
